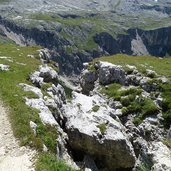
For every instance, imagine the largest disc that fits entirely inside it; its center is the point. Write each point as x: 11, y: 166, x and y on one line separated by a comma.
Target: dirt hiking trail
x: 12, y: 156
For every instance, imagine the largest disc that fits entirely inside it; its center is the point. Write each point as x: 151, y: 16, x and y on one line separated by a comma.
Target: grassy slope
x: 161, y: 66
x: 20, y: 114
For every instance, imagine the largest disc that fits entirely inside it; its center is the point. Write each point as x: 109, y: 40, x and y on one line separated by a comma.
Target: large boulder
x: 92, y: 130
x: 109, y: 73
x: 87, y: 80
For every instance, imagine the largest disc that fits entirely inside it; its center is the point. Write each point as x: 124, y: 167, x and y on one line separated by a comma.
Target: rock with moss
x: 96, y: 133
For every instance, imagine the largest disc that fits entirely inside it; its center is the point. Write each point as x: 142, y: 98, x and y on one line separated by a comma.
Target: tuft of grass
x: 144, y: 108
x: 31, y: 95
x: 167, y: 143
x: 143, y: 167
x: 112, y: 90
x: 102, y: 128
x: 49, y: 162
x: 95, y: 108
x: 48, y: 136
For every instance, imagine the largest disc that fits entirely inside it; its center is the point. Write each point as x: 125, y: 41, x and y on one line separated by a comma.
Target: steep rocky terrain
x: 77, y: 28
x: 118, y: 117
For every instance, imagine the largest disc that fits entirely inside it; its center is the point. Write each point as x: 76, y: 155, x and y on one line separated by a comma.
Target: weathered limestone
x: 92, y: 130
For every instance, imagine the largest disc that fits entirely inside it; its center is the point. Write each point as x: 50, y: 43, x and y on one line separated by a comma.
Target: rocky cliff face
x: 135, y: 42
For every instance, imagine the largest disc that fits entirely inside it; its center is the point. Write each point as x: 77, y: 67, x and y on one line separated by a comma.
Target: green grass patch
x: 95, y: 108
x: 112, y: 90
x: 49, y: 162
x: 143, y: 108
x: 166, y: 105
x: 102, y: 127
x: 19, y: 113
x: 12, y: 95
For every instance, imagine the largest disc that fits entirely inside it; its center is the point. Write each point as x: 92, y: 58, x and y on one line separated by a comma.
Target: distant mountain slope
x: 83, y: 5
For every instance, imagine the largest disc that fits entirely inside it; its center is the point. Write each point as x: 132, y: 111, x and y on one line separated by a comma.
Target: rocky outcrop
x: 137, y: 42
x: 87, y: 80
x: 45, y: 74
x: 144, y: 128
x: 29, y: 88
x: 92, y: 130
x: 107, y: 73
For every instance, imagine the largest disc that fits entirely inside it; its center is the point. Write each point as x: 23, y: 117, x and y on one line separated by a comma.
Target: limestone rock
x: 91, y: 129
x: 44, y: 112
x: 87, y: 80
x: 45, y: 74
x: 150, y: 73
x: 33, y: 127
x: 48, y: 74
x: 4, y: 67
x: 33, y: 89
x: 36, y: 79
x: 109, y: 73
x: 45, y: 54
x: 58, y: 94
x: 161, y: 157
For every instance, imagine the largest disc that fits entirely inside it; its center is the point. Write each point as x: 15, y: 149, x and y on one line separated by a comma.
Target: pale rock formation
x: 33, y: 89
x: 44, y: 112
x: 4, y: 67
x: 91, y: 129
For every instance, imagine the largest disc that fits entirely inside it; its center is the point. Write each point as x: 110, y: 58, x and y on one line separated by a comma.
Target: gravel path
x: 12, y: 156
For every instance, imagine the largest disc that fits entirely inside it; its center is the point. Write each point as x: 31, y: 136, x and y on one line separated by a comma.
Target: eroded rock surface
x: 91, y: 129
